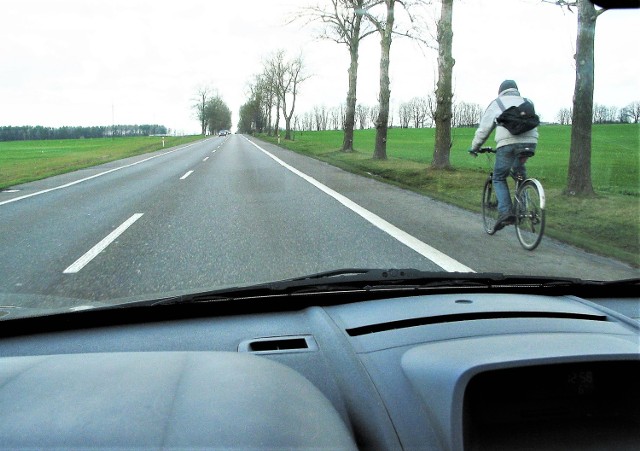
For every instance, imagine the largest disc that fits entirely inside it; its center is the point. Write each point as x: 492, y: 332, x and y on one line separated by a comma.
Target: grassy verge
x: 607, y: 224
x: 26, y: 161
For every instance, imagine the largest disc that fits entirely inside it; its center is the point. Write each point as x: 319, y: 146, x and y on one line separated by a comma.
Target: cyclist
x: 512, y: 151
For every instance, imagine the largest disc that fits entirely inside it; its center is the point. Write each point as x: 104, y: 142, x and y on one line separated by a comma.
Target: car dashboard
x: 442, y: 371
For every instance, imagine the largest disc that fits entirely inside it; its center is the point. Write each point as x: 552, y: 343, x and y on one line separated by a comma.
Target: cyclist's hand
x: 473, y: 153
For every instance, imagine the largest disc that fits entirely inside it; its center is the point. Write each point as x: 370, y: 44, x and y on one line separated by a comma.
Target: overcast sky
x: 90, y: 62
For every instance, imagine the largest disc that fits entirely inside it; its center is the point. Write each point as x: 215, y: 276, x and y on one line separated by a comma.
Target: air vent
x: 271, y: 345
x: 423, y: 321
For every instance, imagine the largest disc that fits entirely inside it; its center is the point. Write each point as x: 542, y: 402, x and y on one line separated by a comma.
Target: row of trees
x: 603, y: 114
x: 418, y: 112
x: 272, y: 93
x: 27, y: 132
x: 348, y: 22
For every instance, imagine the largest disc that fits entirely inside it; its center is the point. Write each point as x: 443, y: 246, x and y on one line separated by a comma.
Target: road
x: 234, y: 210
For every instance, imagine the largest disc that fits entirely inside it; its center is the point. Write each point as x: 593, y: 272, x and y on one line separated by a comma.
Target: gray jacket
x: 509, y: 97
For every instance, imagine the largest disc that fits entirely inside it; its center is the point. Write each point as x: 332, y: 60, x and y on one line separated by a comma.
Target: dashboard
x: 432, y: 372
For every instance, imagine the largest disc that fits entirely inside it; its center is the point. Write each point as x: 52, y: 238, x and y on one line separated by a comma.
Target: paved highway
x: 233, y: 210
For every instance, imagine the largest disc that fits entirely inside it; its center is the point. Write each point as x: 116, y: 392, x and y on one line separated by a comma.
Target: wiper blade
x: 404, y: 281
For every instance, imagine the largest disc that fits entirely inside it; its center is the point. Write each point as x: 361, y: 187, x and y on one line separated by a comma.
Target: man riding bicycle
x: 512, y: 151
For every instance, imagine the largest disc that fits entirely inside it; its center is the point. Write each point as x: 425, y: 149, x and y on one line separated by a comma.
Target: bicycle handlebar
x: 482, y: 150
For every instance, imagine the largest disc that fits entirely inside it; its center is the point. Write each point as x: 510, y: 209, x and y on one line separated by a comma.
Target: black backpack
x: 518, y: 119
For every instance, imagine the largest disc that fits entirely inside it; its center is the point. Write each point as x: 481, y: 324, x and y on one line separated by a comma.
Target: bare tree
x: 273, y: 75
x: 374, y: 112
x: 418, y: 107
x: 362, y: 114
x: 202, y: 97
x: 466, y: 114
x: 336, y: 117
x: 290, y: 76
x: 404, y: 113
x: 344, y: 25
x: 564, y: 116
x: 632, y: 112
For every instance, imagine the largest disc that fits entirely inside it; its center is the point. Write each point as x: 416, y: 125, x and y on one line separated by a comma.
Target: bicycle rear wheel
x: 530, y: 217
x: 489, y: 207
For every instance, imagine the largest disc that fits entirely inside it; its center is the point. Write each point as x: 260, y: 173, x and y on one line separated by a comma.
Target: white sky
x: 90, y: 62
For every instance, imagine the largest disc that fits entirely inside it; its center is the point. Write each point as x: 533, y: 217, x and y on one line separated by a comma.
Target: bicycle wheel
x: 530, y: 218
x: 489, y: 207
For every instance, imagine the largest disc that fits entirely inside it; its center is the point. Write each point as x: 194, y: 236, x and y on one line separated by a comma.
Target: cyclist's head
x: 507, y: 84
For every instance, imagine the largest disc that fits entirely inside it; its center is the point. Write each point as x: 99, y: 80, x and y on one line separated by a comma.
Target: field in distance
x: 26, y: 161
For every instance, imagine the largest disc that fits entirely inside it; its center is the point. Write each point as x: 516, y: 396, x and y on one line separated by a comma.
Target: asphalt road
x: 231, y: 211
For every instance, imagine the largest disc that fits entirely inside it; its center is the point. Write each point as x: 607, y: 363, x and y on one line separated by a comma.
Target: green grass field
x: 25, y: 161
x: 607, y: 224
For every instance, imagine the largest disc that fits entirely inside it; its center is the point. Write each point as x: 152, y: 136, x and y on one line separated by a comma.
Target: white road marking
x: 102, y: 245
x: 205, y: 159
x: 439, y: 258
x: 186, y: 175
x: 66, y: 185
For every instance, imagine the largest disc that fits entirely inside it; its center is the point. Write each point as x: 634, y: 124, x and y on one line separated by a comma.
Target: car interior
x: 506, y: 369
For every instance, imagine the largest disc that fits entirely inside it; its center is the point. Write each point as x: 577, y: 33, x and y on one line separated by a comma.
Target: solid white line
x: 102, y: 245
x: 186, y: 175
x: 443, y: 260
x: 66, y: 185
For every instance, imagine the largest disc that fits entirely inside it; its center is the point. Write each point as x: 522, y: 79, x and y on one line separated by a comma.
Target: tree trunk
x: 277, y: 124
x: 442, y: 148
x: 579, y: 174
x: 350, y: 113
x: 201, y: 113
x: 382, y: 122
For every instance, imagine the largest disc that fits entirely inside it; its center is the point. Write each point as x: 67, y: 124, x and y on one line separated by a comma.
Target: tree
x: 202, y: 97
x: 283, y: 78
x: 632, y: 111
x: 579, y: 172
x: 564, y: 116
x: 344, y: 25
x: 404, y: 112
x: 418, y: 108
x: 288, y: 86
x: 361, y: 115
x: 444, y: 93
x: 385, y: 28
x: 218, y: 115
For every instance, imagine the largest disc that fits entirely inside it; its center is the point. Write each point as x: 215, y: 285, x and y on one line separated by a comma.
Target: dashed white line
x: 439, y: 258
x: 205, y: 159
x: 102, y: 245
x: 186, y: 175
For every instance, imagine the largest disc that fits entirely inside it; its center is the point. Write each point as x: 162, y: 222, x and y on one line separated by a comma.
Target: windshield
x: 152, y: 148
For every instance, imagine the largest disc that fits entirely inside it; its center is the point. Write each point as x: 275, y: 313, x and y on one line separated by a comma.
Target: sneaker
x: 504, y: 220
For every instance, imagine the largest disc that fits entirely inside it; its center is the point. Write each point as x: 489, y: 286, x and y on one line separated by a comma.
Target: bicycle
x: 528, y: 205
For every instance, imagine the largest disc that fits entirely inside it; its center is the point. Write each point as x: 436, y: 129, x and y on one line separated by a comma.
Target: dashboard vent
x: 271, y: 345
x: 423, y: 321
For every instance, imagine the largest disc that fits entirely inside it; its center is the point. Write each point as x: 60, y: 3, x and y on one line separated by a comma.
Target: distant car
x: 223, y: 132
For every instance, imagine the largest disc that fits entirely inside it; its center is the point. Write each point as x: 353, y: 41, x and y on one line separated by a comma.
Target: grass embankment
x: 26, y: 161
x: 607, y: 224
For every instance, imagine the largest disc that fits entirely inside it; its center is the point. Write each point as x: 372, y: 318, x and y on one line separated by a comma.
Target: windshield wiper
x: 405, y: 282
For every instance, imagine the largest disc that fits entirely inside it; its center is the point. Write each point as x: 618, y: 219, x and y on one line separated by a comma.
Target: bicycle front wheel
x: 489, y: 207
x: 530, y: 217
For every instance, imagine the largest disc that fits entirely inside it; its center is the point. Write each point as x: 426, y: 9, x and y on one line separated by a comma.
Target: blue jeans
x: 511, y: 157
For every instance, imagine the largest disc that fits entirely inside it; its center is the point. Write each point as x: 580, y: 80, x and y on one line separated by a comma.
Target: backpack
x: 518, y: 119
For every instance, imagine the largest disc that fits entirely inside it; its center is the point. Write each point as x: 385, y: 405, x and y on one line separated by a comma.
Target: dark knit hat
x: 507, y: 84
